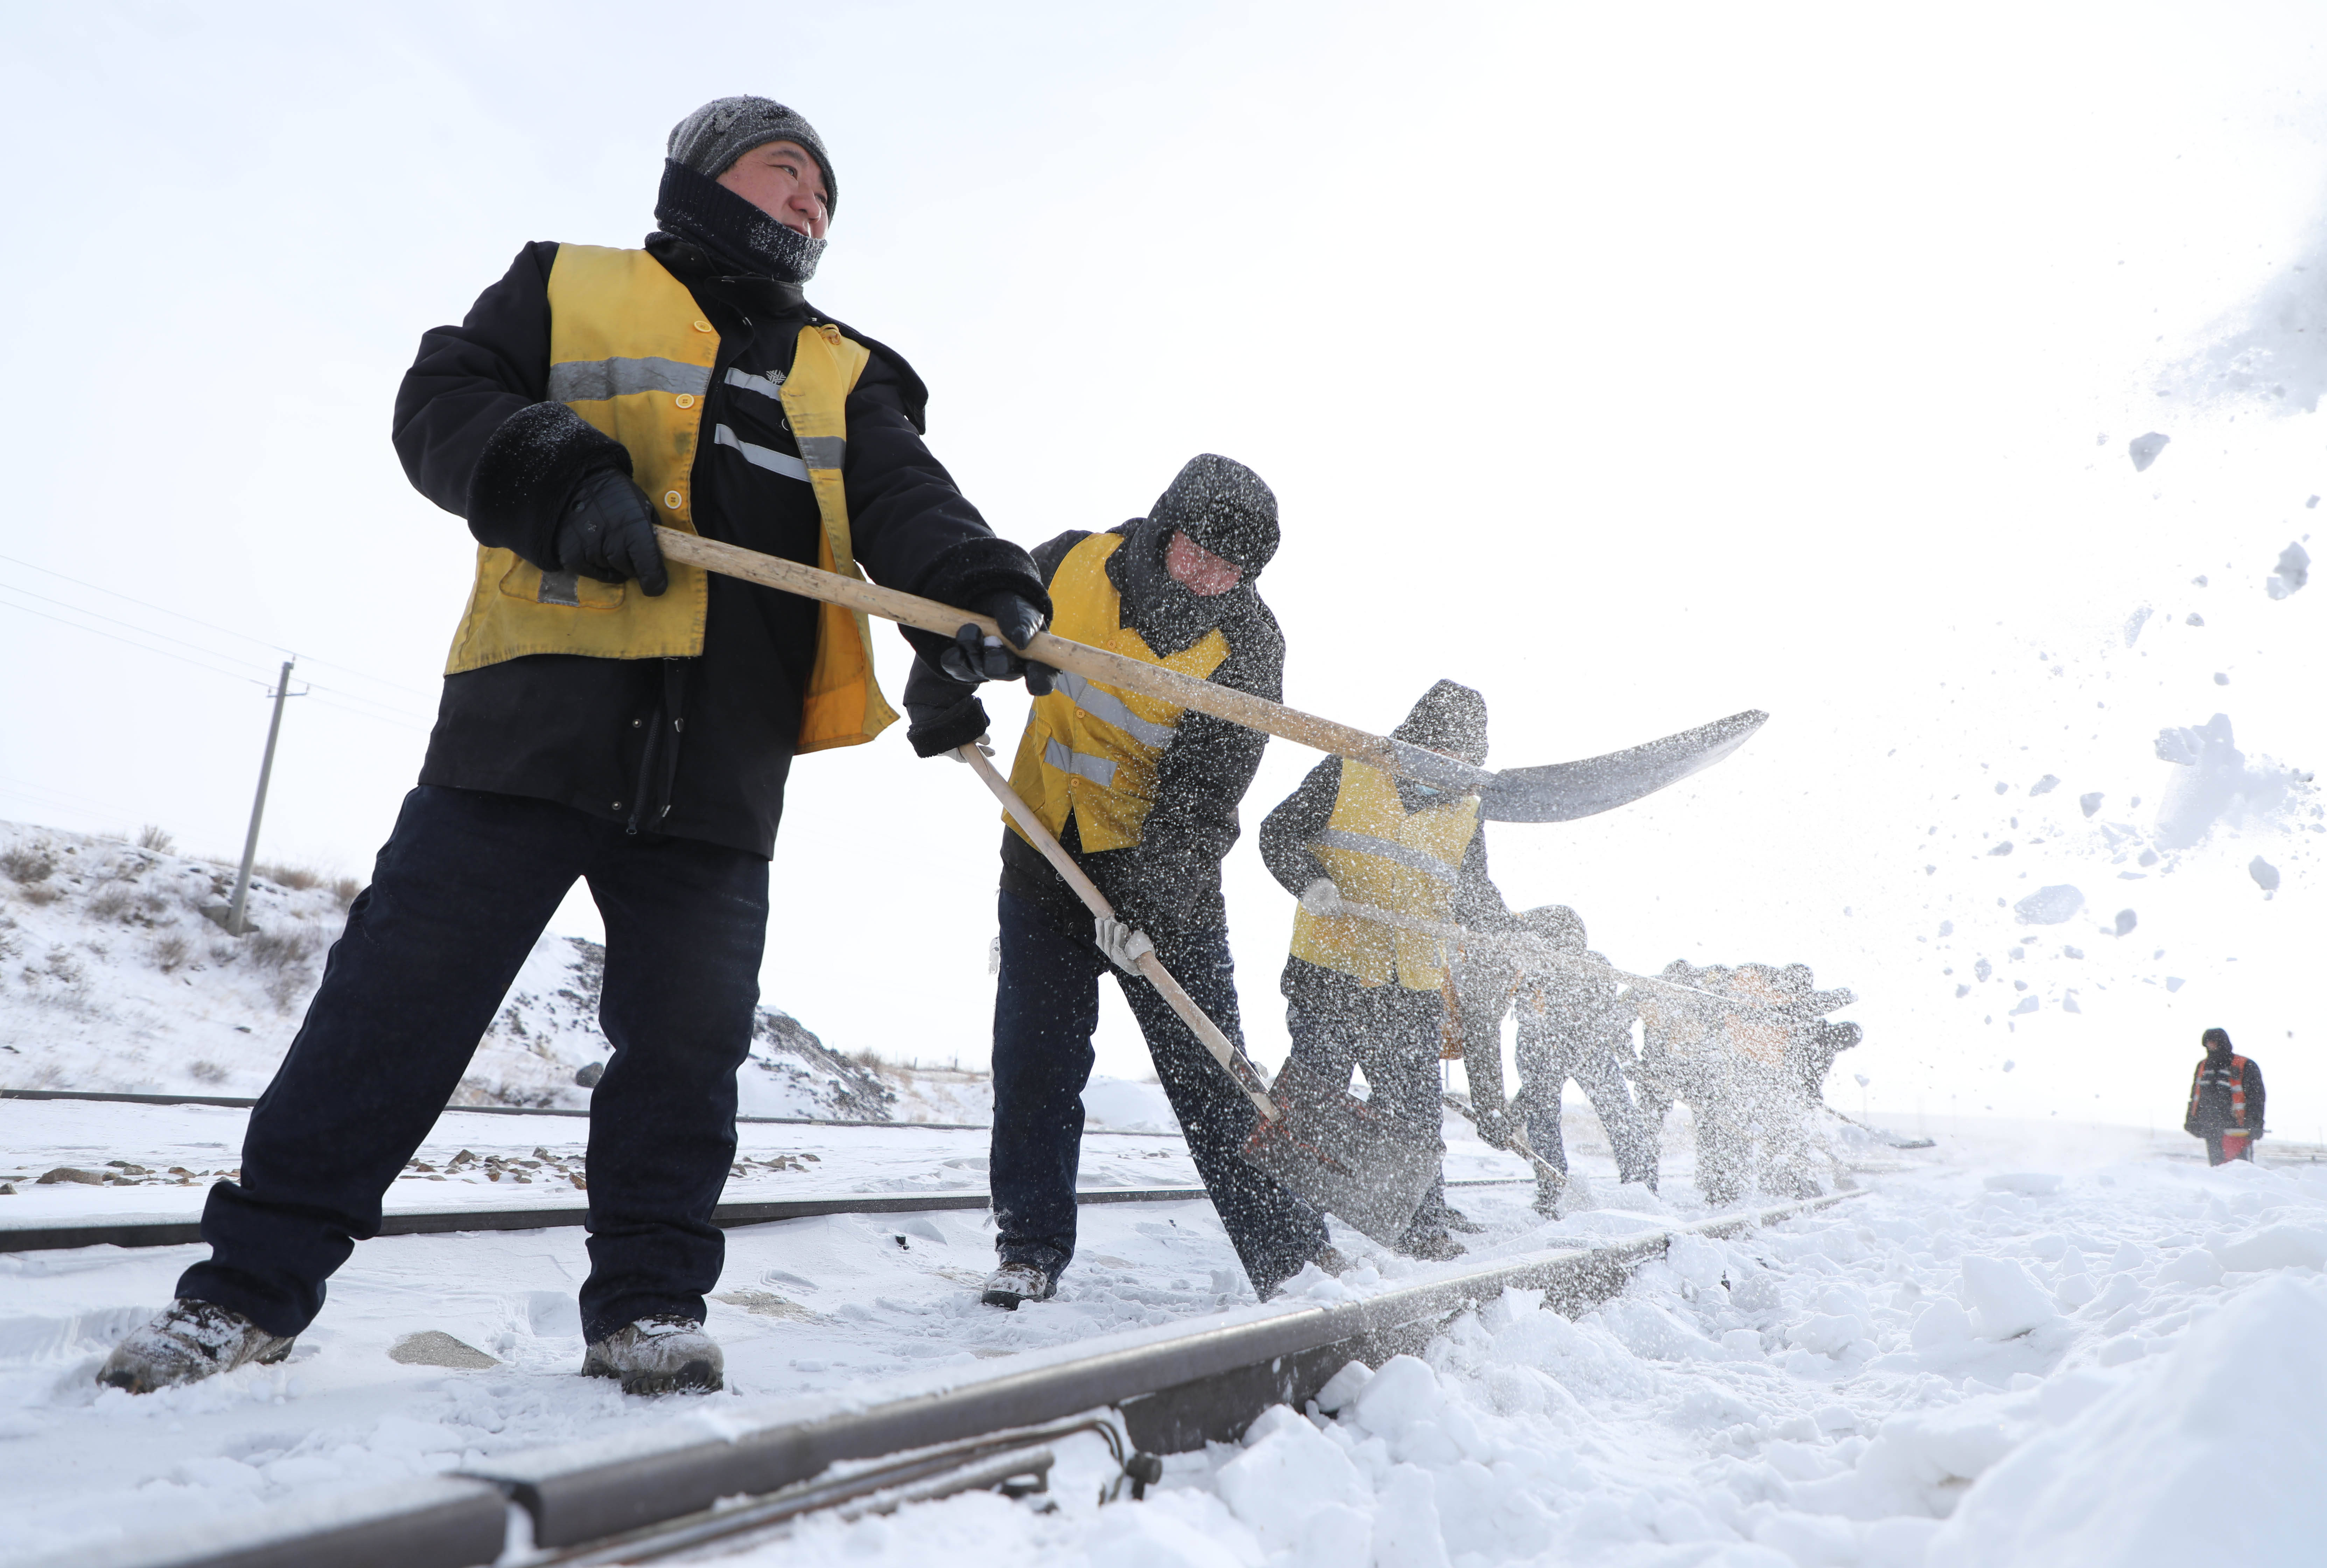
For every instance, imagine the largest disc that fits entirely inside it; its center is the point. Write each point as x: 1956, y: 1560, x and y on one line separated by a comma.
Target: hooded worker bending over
x: 611, y: 717
x: 1571, y: 1024
x: 2226, y: 1101
x: 1143, y: 794
x: 1361, y: 993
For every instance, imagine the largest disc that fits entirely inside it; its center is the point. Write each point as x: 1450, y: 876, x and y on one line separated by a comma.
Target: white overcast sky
x: 1635, y: 364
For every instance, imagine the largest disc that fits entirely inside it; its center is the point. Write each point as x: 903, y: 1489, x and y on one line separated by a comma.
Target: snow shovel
x: 1555, y: 792
x: 1317, y: 1139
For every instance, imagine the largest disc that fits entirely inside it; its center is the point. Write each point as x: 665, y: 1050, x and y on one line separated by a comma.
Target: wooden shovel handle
x: 1223, y: 1049
x: 1096, y: 664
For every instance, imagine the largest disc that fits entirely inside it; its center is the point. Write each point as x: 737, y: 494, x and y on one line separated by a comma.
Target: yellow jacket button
x: 701, y: 326
x: 685, y: 400
x: 673, y: 499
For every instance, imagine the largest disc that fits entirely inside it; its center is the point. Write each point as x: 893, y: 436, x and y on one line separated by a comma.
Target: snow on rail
x: 1178, y: 1386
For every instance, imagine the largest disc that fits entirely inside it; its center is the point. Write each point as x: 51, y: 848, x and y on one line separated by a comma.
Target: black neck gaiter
x: 1166, y: 616
x: 735, y: 234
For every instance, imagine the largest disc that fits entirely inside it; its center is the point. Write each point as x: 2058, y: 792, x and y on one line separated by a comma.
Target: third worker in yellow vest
x: 1143, y: 794
x: 1361, y: 993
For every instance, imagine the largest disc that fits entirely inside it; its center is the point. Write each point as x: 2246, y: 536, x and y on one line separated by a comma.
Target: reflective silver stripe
x: 1100, y: 770
x: 1367, y: 844
x: 1102, y: 704
x: 769, y: 385
x: 558, y: 588
x: 767, y: 457
x: 823, y: 451
x: 593, y: 380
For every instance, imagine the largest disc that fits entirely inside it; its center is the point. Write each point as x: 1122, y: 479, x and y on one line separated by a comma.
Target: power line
x: 207, y: 625
x: 113, y: 619
x: 162, y: 652
x: 388, y: 716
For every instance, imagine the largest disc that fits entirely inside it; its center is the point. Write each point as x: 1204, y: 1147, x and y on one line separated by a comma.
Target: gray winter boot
x: 1014, y: 1282
x: 187, y: 1343
x: 665, y: 1354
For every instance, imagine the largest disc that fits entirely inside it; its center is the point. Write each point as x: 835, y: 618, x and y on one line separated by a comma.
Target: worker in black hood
x: 1143, y: 794
x: 2226, y: 1101
x: 1359, y: 994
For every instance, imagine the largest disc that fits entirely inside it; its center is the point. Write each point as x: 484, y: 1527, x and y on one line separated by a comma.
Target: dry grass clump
x: 281, y: 950
x: 171, y: 953
x: 345, y: 890
x: 297, y: 878
x: 206, y: 1072
x: 113, y: 901
x: 28, y: 865
x: 156, y: 838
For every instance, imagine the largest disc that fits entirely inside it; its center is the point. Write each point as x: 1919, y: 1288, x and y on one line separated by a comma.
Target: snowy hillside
x: 112, y: 979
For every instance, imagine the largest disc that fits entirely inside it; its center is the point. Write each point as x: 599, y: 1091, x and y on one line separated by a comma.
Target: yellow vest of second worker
x: 631, y: 352
x: 1377, y: 853
x: 1092, y: 750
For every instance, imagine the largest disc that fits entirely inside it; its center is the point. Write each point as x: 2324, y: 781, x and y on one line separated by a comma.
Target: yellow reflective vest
x: 1377, y: 853
x: 631, y: 353
x: 1091, y: 751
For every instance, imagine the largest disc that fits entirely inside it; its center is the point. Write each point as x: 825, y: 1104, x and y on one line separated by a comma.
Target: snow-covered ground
x: 1989, y: 1352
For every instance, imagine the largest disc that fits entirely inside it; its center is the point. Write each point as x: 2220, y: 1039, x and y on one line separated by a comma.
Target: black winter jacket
x: 2210, y: 1099
x: 1286, y: 835
x: 479, y: 437
x: 1170, y: 881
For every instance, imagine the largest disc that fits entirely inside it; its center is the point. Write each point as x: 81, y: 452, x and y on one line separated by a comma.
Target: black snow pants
x: 1045, y: 1009
x: 1545, y: 1066
x: 461, y: 890
x: 1392, y: 1032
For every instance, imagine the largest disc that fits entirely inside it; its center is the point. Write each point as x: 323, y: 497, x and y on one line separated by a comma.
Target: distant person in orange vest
x: 2225, y: 1102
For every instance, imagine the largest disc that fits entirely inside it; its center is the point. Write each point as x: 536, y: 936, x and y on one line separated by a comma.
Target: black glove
x: 1494, y: 1129
x: 972, y: 659
x: 945, y: 713
x: 607, y: 532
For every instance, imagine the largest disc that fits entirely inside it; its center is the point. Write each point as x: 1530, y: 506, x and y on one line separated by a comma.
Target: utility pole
x: 236, y: 925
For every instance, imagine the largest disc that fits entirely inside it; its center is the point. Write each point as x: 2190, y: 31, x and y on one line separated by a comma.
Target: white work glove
x: 985, y: 744
x: 1322, y: 898
x: 1118, y: 941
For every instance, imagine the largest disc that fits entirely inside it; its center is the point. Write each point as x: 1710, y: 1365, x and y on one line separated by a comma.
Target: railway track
x: 233, y: 1102
x: 53, y: 1235
x: 649, y: 1495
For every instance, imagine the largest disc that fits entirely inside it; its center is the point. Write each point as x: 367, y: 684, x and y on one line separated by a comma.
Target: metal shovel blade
x: 1563, y: 791
x: 1343, y: 1156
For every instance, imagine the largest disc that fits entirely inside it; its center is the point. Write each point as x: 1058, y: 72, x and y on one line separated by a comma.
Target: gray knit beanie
x: 713, y: 137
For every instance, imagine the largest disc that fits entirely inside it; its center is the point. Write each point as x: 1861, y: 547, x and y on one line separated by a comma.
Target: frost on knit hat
x: 1224, y: 506
x: 713, y: 137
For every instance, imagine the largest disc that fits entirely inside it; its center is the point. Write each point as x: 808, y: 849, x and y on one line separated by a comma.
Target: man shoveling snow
x: 610, y: 716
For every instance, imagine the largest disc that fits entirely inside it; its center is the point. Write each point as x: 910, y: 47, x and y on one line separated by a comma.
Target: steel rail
x: 1175, y: 1391
x: 55, y: 1235
x: 232, y: 1102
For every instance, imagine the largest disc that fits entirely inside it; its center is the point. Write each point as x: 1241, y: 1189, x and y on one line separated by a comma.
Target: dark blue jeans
x: 461, y: 892
x: 1045, y: 1010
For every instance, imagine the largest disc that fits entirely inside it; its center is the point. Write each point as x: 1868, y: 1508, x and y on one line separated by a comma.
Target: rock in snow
x: 2144, y: 449
x: 2266, y: 876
